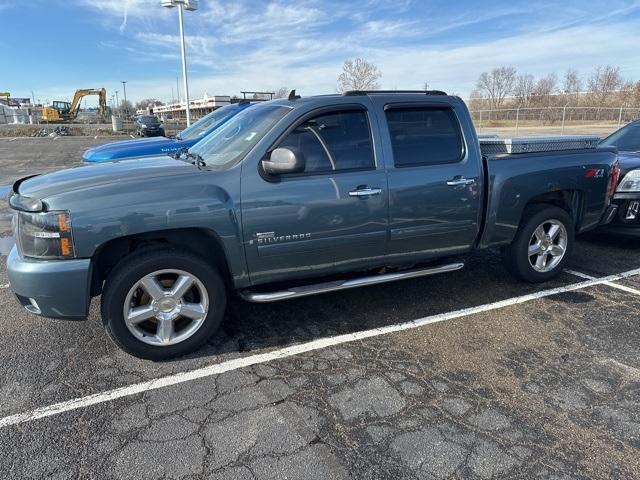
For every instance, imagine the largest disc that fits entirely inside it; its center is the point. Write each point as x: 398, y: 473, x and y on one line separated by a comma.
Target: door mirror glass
x: 284, y: 160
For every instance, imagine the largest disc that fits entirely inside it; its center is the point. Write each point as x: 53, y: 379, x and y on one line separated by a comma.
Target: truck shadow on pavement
x: 257, y: 327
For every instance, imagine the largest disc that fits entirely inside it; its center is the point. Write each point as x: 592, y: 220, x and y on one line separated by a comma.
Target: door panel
x: 311, y: 226
x: 435, y: 183
x: 331, y: 217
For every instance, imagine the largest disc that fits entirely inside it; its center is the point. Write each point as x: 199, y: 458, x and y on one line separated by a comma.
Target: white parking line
x: 4, y: 286
x: 578, y: 274
x: 623, y: 288
x: 250, y: 360
x: 608, y: 284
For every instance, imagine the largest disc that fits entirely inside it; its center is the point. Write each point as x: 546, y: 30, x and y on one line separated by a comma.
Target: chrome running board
x: 306, y: 290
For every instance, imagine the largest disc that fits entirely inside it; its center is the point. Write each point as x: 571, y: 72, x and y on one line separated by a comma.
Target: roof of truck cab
x: 321, y: 99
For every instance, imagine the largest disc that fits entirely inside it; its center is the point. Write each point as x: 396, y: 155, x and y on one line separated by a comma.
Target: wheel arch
x: 202, y: 242
x: 569, y: 200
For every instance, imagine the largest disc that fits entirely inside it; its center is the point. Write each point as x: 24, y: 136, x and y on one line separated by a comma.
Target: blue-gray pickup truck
x: 294, y: 197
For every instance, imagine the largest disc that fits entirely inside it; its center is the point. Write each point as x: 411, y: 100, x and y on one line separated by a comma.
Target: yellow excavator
x: 67, y: 111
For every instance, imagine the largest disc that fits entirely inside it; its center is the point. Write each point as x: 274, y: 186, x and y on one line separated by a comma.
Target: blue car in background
x: 163, y: 145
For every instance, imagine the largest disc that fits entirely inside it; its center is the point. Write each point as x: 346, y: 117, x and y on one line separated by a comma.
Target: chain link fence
x: 553, y: 120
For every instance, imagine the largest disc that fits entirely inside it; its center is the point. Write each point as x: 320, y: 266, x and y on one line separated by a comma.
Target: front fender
x: 107, y: 212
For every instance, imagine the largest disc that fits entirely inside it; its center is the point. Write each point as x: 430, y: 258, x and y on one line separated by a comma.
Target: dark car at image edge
x: 627, y: 196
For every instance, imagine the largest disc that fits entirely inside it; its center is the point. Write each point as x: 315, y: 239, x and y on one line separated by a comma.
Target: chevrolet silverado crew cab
x: 289, y: 198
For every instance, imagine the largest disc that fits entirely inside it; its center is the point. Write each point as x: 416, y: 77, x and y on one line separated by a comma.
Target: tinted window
x: 627, y: 139
x: 335, y: 141
x: 424, y: 136
x: 149, y: 120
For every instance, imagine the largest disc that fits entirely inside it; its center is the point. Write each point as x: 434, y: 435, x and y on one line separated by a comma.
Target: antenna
x: 293, y: 96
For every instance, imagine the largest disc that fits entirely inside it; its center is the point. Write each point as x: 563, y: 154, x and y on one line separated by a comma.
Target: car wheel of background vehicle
x: 541, y: 246
x: 162, y: 303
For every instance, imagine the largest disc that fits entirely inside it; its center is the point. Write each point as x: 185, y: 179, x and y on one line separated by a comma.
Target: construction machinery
x: 60, y: 111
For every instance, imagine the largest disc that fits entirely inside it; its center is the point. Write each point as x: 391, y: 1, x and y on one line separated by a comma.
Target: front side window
x: 335, y: 141
x: 424, y: 136
x: 234, y: 140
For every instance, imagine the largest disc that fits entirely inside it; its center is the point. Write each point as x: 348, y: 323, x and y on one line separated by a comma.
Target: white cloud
x: 236, y: 44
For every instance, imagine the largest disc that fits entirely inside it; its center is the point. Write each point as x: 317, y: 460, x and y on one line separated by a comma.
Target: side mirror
x: 284, y: 160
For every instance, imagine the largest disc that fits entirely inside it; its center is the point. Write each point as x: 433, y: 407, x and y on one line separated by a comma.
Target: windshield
x: 237, y: 137
x: 627, y: 139
x: 208, y: 121
x: 148, y: 120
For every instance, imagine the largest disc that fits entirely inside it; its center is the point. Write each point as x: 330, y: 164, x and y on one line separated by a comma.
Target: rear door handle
x: 365, y: 192
x: 458, y: 181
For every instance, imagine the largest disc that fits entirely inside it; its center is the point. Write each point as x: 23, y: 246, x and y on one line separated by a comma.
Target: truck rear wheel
x: 162, y: 303
x: 541, y: 246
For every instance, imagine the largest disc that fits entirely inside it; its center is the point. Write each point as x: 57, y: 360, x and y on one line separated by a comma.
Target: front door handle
x: 365, y: 192
x: 458, y: 181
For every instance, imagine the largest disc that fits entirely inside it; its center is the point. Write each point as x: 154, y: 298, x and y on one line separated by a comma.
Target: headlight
x: 630, y: 182
x: 143, y: 125
x: 45, y: 235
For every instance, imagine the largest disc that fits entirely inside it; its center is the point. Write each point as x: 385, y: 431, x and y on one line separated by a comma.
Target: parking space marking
x: 623, y: 288
x: 4, y: 286
x: 579, y: 274
x: 235, y: 364
x: 608, y: 284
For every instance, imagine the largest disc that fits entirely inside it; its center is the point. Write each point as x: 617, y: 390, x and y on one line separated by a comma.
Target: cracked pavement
x: 547, y: 389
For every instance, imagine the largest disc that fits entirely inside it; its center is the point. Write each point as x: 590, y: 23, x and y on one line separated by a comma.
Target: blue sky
x: 52, y: 47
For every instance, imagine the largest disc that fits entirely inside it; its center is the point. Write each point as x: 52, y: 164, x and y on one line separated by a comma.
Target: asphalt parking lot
x: 468, y: 375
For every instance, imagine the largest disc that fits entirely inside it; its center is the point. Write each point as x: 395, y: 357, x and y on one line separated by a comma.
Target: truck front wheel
x: 162, y: 303
x: 542, y: 244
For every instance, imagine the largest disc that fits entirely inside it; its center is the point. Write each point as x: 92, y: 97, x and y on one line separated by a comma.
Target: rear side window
x: 336, y: 141
x: 424, y: 136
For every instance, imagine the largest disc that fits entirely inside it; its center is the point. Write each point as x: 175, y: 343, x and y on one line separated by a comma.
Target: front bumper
x: 627, y: 219
x: 56, y: 288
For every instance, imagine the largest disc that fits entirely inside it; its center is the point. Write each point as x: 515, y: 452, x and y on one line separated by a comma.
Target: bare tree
x: 497, y: 84
x: 603, y: 82
x: 148, y: 102
x: 282, y: 92
x: 523, y: 89
x: 358, y: 74
x: 572, y: 84
x: 634, y: 94
x: 545, y: 88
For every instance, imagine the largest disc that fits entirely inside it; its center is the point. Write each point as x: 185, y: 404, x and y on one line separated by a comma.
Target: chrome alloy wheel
x: 166, y: 307
x: 548, y: 246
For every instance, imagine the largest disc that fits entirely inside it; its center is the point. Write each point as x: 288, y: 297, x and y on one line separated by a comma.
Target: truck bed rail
x: 497, y: 146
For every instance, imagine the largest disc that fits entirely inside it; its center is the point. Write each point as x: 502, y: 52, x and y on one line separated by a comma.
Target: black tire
x: 516, y: 255
x: 136, y: 266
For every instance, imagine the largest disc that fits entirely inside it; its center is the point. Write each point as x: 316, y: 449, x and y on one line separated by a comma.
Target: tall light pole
x: 190, y: 5
x: 124, y: 88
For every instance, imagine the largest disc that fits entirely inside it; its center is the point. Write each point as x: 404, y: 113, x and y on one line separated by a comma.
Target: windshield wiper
x: 185, y: 154
x: 196, y: 158
x: 179, y: 153
x: 198, y: 161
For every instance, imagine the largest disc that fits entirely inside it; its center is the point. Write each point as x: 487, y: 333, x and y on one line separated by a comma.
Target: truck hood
x: 92, y: 175
x: 131, y: 148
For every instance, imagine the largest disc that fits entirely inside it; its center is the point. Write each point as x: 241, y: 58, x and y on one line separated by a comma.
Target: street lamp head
x: 191, y: 5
